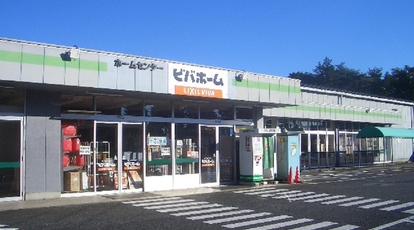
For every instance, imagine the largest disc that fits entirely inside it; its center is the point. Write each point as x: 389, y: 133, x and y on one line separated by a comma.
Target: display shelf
x: 72, y: 168
x: 186, y: 160
x: 159, y: 162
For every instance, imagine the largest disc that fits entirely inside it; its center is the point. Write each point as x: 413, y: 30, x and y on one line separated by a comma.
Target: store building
x: 85, y: 122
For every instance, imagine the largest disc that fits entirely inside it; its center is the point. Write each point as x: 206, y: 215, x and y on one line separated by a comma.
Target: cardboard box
x: 72, y: 181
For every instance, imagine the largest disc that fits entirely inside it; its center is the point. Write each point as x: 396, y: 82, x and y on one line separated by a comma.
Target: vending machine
x: 288, y: 155
x: 257, y: 155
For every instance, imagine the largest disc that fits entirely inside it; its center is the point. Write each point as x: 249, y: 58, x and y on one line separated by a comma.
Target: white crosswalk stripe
x: 281, y: 193
x: 176, y: 205
x: 209, y: 216
x: 266, y: 191
x: 410, y: 211
x: 150, y: 200
x: 316, y: 226
x: 324, y: 198
x: 248, y: 216
x: 399, y: 206
x: 253, y: 190
x: 283, y: 224
x: 359, y: 202
x: 309, y: 197
x: 289, y: 196
x: 342, y: 200
x: 204, y: 211
x: 346, y: 227
x: 257, y: 221
x: 189, y: 208
x: 383, y: 203
x: 163, y: 202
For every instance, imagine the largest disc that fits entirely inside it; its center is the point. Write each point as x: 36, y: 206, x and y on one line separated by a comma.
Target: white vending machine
x: 257, y: 155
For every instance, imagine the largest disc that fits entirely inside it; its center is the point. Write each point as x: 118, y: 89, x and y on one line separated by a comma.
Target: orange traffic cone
x: 290, y: 178
x: 297, y: 176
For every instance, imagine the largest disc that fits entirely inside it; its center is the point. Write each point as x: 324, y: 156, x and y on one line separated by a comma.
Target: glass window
x: 186, y: 137
x: 118, y: 105
x: 216, y: 111
x: 158, y: 149
x: 244, y: 113
x: 184, y: 109
x: 283, y: 124
x: 158, y: 108
x: 11, y: 100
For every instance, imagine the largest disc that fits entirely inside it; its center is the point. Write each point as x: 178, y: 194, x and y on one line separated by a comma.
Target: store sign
x: 269, y: 130
x: 197, y: 81
x: 248, y: 143
x: 136, y: 65
x: 85, y: 150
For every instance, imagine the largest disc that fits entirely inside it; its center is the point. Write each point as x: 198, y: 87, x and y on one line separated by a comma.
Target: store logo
x: 137, y: 65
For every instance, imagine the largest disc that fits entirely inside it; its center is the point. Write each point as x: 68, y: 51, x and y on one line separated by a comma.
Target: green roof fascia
x: 266, y: 86
x: 370, y: 131
x: 343, y: 111
x: 39, y: 59
x: 6, y: 165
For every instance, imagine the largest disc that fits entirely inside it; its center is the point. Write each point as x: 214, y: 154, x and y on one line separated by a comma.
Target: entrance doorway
x: 217, y: 145
x: 10, y: 158
x: 117, y: 157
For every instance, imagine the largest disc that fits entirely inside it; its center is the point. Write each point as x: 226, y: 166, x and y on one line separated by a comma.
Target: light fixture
x: 104, y: 94
x: 71, y: 54
x: 239, y: 77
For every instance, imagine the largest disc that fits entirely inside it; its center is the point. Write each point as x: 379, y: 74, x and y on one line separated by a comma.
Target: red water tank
x: 75, y: 144
x: 66, y: 160
x: 69, y: 130
x: 67, y: 145
x: 80, y: 160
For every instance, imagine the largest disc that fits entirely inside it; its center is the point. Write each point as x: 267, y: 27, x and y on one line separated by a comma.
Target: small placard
x: 85, y: 150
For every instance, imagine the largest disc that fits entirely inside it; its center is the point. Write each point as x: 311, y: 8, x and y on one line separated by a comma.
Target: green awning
x: 368, y: 132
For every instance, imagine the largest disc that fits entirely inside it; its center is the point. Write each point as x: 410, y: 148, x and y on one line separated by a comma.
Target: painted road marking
x: 379, y: 204
x: 310, y: 197
x: 163, y: 202
x: 316, y: 226
x: 269, y: 191
x: 175, y: 205
x: 150, y: 200
x: 400, y: 206
x: 325, y: 198
x: 283, y: 224
x: 231, y: 213
x: 204, y: 211
x: 359, y: 202
x: 281, y: 193
x: 190, y: 208
x: 346, y: 227
x: 222, y: 220
x: 343, y: 200
x: 259, y: 221
x: 292, y: 195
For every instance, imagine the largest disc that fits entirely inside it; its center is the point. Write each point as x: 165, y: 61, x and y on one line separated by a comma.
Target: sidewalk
x: 64, y: 201
x: 16, y: 205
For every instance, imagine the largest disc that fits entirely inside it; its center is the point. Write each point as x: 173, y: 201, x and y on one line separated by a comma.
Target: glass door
x: 104, y: 157
x: 10, y: 155
x: 209, y: 154
x: 117, y: 156
x: 132, y: 157
x: 226, y: 154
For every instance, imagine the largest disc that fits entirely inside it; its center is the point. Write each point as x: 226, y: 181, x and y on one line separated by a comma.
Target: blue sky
x: 269, y: 37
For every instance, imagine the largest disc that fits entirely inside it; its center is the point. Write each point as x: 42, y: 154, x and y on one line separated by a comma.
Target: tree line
x: 398, y: 83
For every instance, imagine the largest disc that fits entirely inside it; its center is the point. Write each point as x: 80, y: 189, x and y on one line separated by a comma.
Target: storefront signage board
x: 197, y: 81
